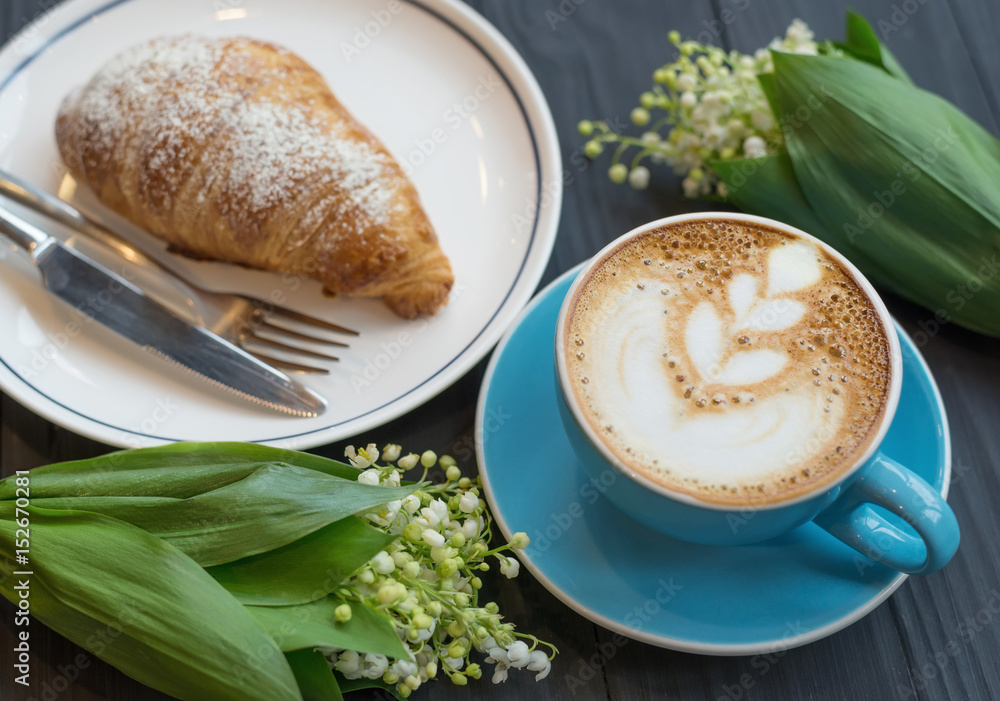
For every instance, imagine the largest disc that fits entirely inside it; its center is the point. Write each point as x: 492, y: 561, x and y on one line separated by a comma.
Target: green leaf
x: 313, y: 625
x: 156, y: 471
x: 862, y: 44
x: 766, y: 81
x: 349, y: 685
x: 313, y: 673
x: 166, y: 481
x: 271, y: 507
x: 306, y: 570
x: 144, y: 607
x: 903, y: 182
x: 767, y: 187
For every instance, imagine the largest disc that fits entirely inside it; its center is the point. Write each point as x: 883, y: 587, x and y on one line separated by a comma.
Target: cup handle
x: 888, y: 484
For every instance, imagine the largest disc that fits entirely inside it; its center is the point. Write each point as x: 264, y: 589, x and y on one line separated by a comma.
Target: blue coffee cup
x: 876, y: 505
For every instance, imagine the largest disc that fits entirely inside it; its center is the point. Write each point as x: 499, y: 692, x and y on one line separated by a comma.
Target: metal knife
x: 116, y: 303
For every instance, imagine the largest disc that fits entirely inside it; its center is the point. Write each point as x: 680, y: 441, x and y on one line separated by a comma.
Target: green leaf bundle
x: 897, y: 179
x: 164, y: 620
x: 213, y: 566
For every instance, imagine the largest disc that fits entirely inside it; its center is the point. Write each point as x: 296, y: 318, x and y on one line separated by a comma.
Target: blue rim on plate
x: 743, y: 600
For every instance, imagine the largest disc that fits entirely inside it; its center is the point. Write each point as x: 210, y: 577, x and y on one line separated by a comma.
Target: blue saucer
x: 742, y: 600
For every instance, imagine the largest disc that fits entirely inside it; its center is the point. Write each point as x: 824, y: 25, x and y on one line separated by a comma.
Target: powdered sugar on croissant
x: 237, y: 150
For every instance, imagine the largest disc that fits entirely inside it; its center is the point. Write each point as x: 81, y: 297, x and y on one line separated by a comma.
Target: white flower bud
x: 411, y: 504
x: 509, y: 566
x: 404, y: 668
x: 343, y: 613
x: 369, y: 476
x: 497, y: 655
x: 383, y: 563
x: 691, y: 187
x: 401, y: 558
x: 688, y: 100
x: 686, y: 82
x: 390, y: 591
x: 639, y: 177
x: 539, y: 662
x: 520, y: 540
x: 391, y: 510
x: 433, y: 538
x: 430, y: 516
x: 408, y: 461
x: 470, y: 529
x: 468, y: 503
x: 374, y: 666
x: 799, y: 32
x: 518, y: 654
x: 754, y: 147
x: 390, y: 453
x: 348, y: 663
x: 440, y: 509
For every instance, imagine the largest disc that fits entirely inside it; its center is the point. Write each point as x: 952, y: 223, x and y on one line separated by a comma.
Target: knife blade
x: 114, y: 302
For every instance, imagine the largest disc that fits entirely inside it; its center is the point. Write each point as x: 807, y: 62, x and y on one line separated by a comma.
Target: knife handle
x: 32, y: 197
x: 26, y: 194
x: 30, y: 238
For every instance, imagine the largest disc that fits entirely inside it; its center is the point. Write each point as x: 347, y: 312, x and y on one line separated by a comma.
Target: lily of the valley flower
x: 710, y: 107
x: 427, y: 581
x: 539, y: 662
x: 518, y: 654
x: 363, y: 457
x: 468, y: 503
x: 509, y: 566
x: 373, y: 666
x: 349, y: 663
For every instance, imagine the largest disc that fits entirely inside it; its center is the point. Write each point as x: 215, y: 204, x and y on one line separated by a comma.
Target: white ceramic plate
x: 445, y: 92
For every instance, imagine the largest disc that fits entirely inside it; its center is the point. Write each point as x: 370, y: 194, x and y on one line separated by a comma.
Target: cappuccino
x: 728, y: 360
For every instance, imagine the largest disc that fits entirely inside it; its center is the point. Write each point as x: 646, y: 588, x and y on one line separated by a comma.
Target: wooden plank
x: 949, y: 622
x: 593, y: 60
x: 978, y: 24
x: 24, y: 437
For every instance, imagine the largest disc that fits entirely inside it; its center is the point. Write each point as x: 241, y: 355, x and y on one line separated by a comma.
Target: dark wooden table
x: 938, y: 637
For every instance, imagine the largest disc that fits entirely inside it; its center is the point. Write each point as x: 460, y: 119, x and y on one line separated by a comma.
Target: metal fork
x: 238, y: 318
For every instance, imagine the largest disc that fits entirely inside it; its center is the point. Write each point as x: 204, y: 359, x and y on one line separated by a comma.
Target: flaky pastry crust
x: 237, y: 150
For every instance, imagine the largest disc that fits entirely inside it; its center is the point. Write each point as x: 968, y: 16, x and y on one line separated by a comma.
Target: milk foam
x: 722, y: 371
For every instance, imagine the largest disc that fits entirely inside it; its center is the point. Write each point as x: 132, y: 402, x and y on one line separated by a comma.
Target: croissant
x: 237, y: 150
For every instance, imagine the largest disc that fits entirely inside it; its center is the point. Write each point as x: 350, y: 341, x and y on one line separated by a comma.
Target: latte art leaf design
x: 712, y: 335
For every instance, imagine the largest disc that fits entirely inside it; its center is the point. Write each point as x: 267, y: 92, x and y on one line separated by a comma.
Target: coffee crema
x: 728, y: 361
